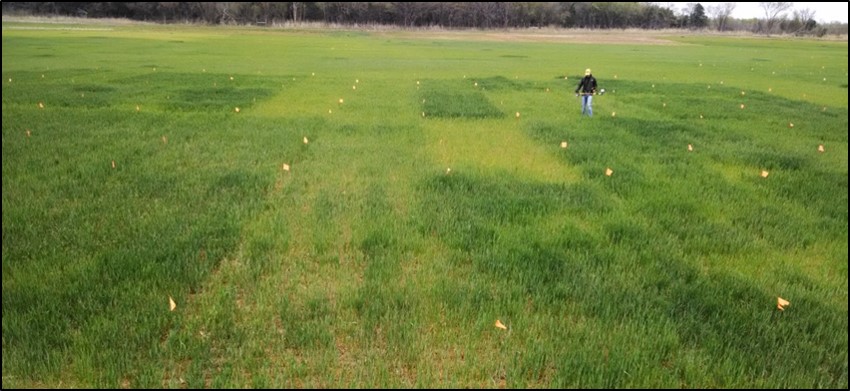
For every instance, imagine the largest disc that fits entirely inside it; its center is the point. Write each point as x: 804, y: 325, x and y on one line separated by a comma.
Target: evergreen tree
x: 698, y: 19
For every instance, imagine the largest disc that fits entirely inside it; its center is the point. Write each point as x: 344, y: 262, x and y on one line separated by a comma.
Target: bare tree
x: 295, y: 6
x: 721, y: 13
x: 504, y: 11
x: 773, y: 12
x: 803, y: 22
x: 483, y: 13
x: 804, y: 15
x: 408, y: 12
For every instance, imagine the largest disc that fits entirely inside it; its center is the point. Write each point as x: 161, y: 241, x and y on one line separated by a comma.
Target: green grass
x: 421, y: 211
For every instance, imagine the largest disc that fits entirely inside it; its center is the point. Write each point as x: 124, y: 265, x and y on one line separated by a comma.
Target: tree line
x: 485, y: 15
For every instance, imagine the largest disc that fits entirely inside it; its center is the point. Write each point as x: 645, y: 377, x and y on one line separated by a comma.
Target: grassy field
x: 358, y: 209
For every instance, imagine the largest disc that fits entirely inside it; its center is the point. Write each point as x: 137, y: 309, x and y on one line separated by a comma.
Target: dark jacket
x: 587, y: 85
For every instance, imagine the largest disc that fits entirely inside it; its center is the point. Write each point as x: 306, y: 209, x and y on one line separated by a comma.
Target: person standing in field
x: 587, y: 87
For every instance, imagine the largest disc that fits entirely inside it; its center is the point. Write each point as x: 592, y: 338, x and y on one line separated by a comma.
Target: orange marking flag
x: 782, y: 303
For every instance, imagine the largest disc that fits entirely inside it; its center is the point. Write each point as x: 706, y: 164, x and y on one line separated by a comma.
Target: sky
x: 824, y: 12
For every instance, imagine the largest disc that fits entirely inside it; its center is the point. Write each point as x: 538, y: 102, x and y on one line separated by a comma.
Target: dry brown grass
x: 632, y: 36
x: 71, y: 20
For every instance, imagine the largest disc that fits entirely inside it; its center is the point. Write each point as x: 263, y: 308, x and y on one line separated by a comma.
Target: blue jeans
x: 586, y: 105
